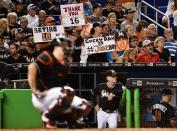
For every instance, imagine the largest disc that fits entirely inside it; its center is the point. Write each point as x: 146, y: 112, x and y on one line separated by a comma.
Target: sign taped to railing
x: 72, y: 14
x: 100, y: 44
x: 47, y: 33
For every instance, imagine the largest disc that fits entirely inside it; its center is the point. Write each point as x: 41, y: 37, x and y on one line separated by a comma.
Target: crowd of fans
x: 136, y: 40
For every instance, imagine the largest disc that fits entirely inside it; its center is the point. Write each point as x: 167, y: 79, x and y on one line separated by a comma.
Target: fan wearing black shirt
x: 15, y: 57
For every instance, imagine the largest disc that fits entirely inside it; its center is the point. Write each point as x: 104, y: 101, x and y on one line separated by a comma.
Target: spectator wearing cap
x: 19, y: 8
x: 164, y: 53
x: 170, y: 43
x: 3, y: 10
x: 108, y: 9
x: 41, y: 21
x: 147, y: 55
x: 106, y: 97
x: 120, y: 13
x: 97, y: 14
x: 96, y: 32
x: 112, y: 21
x: 163, y: 112
x: 134, y: 41
x: 32, y: 10
x: 152, y: 32
x: 129, y: 15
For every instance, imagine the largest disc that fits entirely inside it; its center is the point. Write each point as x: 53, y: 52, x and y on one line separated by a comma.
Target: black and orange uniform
x: 51, y: 72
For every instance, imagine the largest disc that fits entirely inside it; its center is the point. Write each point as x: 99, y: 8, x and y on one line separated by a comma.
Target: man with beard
x: 147, y: 55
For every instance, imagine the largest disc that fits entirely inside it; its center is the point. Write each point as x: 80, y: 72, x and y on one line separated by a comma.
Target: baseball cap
x: 120, y: 34
x: 146, y: 42
x: 97, y: 5
x: 129, y: 11
x: 166, y: 92
x: 97, y: 24
x: 111, y: 73
x: 19, y: 2
x: 133, y: 37
x: 31, y: 6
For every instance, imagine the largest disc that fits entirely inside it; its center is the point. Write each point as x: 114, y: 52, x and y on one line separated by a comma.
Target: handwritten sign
x: 72, y: 14
x: 100, y: 44
x: 47, y: 33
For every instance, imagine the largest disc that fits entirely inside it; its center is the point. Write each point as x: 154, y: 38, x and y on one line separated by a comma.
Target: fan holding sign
x: 72, y: 14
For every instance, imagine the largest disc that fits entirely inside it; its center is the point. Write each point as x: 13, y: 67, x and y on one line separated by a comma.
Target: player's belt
x: 110, y: 111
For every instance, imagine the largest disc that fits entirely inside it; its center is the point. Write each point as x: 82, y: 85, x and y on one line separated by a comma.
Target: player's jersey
x: 163, y: 112
x: 51, y: 72
x: 101, y: 93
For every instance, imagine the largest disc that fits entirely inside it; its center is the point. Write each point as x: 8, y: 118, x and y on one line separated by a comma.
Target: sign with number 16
x: 72, y: 14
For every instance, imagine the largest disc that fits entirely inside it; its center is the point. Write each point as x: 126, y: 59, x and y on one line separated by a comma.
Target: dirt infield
x: 94, y: 129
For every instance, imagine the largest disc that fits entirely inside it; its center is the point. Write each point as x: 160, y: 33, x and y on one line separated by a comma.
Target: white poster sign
x: 100, y: 44
x: 72, y: 15
x: 47, y: 33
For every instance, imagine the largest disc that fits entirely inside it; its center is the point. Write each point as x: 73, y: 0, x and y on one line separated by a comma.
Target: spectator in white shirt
x: 31, y: 14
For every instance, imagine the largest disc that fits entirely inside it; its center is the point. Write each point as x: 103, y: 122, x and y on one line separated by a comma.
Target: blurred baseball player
x: 163, y: 112
x: 106, y: 99
x: 46, y: 77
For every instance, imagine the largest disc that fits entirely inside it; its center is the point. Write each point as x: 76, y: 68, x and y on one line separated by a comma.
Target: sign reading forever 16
x: 72, y: 14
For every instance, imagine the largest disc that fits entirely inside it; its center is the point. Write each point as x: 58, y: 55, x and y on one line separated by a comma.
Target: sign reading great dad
x: 72, y: 14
